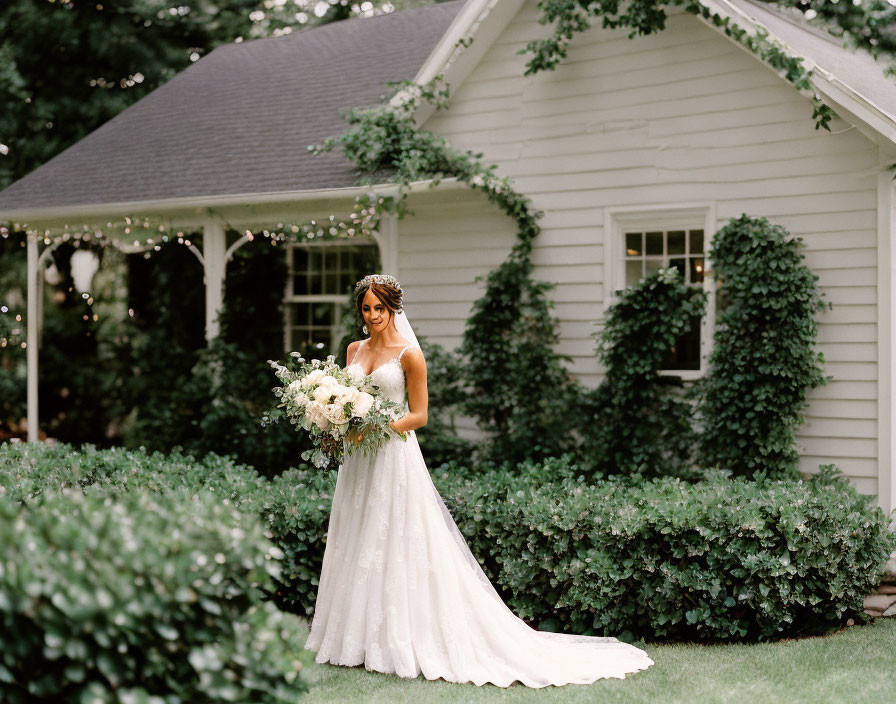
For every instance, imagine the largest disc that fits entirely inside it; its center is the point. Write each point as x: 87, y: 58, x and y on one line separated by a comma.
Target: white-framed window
x: 639, y: 241
x: 320, y: 278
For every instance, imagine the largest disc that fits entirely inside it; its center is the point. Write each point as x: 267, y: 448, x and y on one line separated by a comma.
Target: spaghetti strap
x: 407, y: 347
x: 357, y: 349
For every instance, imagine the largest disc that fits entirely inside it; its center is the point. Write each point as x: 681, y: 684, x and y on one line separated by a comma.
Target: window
x: 320, y: 277
x: 642, y: 241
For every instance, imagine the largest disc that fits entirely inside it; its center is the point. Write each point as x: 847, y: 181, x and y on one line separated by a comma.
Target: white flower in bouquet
x: 335, y: 413
x: 361, y: 407
x: 327, y: 401
x: 313, y: 377
x: 323, y: 393
x: 315, y: 411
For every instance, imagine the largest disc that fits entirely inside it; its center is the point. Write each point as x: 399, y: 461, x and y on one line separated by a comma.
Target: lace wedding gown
x: 401, y: 592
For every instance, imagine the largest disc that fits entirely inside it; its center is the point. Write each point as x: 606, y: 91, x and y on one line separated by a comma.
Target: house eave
x: 235, y: 209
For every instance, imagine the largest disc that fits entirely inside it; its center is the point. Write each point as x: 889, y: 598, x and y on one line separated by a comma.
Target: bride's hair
x: 389, y: 296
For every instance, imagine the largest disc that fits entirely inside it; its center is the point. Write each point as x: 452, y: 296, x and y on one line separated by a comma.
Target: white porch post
x: 214, y: 245
x: 387, y: 238
x: 32, y: 337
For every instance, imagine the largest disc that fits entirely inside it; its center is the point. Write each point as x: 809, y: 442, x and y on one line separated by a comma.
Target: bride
x: 399, y: 589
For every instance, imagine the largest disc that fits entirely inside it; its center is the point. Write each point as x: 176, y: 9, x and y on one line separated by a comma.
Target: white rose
x: 335, y: 413
x: 301, y: 398
x: 328, y: 380
x: 323, y: 393
x: 349, y: 394
x: 312, y: 378
x: 315, y: 411
x: 362, y: 405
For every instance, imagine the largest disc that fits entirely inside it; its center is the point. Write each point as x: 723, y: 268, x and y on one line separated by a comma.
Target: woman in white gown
x: 400, y: 590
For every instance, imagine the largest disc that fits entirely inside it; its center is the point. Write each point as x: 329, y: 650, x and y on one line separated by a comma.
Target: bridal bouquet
x: 329, y: 402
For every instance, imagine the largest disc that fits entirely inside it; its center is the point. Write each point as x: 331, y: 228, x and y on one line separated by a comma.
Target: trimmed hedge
x: 723, y: 559
x: 108, y: 599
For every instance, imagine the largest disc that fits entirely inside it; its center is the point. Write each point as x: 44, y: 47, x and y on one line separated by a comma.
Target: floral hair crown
x: 378, y: 279
x: 381, y: 279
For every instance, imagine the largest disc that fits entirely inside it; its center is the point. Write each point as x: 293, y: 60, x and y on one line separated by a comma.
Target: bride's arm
x: 418, y: 397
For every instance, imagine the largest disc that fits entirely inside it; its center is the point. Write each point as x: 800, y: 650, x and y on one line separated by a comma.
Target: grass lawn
x: 857, y: 665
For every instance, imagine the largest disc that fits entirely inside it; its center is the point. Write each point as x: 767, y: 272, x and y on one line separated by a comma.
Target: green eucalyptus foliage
x: 571, y: 17
x: 763, y: 361
x: 639, y: 422
x: 141, y: 595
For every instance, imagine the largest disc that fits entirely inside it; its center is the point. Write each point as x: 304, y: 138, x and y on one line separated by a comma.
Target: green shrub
x: 121, y: 599
x: 717, y: 560
x: 763, y: 360
x: 639, y: 422
x: 295, y: 506
x: 720, y: 559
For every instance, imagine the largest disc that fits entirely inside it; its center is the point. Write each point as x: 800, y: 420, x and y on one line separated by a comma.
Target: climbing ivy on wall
x: 518, y: 386
x: 638, y: 422
x: 763, y: 361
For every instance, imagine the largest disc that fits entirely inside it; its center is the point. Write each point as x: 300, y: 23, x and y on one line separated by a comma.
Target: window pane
x: 632, y: 272
x: 676, y: 242
x: 300, y: 284
x: 680, y: 265
x: 302, y: 314
x: 299, y: 259
x: 322, y: 313
x: 315, y: 279
x: 654, y: 242
x: 633, y: 244
x: 331, y: 281
x: 696, y: 269
x: 654, y: 265
x: 696, y: 241
x: 370, y: 262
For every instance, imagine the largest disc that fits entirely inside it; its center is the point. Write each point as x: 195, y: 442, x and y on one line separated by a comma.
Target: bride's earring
x: 365, y: 330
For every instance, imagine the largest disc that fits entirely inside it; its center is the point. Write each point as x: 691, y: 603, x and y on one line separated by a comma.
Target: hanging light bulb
x: 84, y: 265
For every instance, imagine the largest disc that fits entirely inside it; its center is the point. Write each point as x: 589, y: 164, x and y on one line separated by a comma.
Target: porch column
x: 31, y: 338
x: 214, y: 245
x: 387, y: 237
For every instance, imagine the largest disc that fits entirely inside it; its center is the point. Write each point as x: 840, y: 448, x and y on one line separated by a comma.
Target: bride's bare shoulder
x: 351, y: 350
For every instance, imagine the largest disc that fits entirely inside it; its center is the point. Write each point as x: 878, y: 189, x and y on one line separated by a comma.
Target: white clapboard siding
x: 681, y: 116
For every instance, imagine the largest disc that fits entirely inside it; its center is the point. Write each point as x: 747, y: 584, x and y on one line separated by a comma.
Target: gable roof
x: 239, y: 120
x: 851, y: 82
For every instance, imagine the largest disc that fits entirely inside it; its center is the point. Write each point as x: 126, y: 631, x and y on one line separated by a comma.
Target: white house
x: 637, y: 150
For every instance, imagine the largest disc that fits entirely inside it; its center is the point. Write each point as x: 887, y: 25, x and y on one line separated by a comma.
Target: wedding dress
x: 401, y: 592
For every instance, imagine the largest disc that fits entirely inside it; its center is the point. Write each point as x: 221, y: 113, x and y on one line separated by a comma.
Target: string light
x: 150, y: 232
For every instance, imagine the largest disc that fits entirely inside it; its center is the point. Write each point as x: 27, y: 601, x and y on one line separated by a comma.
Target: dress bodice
x: 389, y: 377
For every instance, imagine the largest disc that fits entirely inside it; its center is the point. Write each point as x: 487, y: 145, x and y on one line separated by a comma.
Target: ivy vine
x: 640, y: 422
x: 571, y: 17
x: 763, y: 360
x: 517, y: 385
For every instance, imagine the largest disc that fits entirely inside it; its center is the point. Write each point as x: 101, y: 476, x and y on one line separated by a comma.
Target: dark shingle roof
x: 240, y: 119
